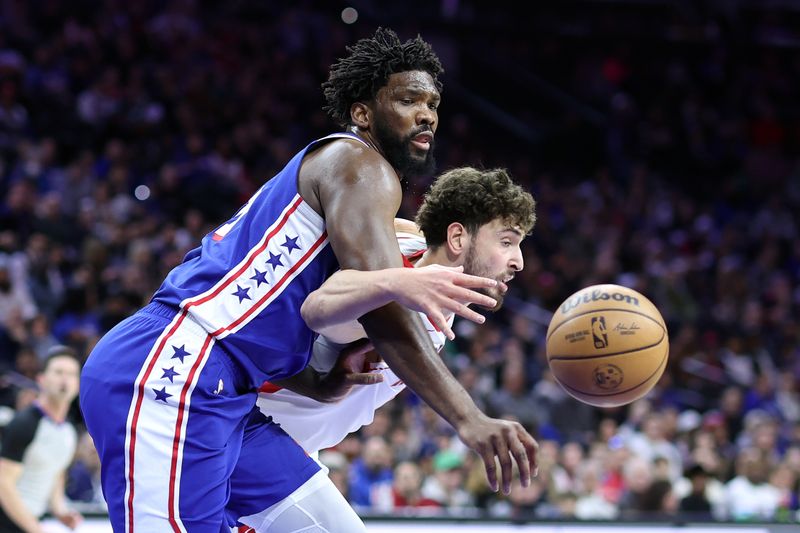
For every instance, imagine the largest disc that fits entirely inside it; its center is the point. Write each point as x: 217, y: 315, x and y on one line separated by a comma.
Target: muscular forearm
x: 348, y: 295
x: 15, y: 509
x: 402, y: 341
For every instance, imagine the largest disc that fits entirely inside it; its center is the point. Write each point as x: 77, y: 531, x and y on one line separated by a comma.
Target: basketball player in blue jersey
x: 167, y: 393
x: 475, y: 219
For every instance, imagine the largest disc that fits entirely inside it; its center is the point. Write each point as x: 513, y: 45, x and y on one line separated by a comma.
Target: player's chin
x: 417, y: 157
x: 498, y: 297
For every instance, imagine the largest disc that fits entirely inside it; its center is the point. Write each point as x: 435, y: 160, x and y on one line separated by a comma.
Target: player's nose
x: 426, y: 116
x: 517, y: 262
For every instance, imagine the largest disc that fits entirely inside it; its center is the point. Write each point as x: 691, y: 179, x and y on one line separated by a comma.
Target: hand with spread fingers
x: 502, y: 439
x: 435, y: 290
x: 438, y: 291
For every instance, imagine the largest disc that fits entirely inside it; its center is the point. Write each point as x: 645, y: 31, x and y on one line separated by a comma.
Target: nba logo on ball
x: 599, y: 332
x: 607, y: 345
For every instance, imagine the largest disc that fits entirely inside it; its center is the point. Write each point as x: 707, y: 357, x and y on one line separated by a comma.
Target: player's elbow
x: 310, y: 312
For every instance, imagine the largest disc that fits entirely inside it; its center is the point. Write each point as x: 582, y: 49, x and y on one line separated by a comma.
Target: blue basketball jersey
x: 247, y: 280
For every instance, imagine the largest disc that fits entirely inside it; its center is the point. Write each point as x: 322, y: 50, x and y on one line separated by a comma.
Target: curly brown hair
x: 474, y: 197
x: 370, y: 62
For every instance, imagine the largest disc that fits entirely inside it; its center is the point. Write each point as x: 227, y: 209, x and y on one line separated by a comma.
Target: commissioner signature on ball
x: 626, y: 329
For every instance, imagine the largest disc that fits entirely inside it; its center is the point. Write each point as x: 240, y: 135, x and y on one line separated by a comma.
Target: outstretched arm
x: 349, y: 294
x: 434, y: 290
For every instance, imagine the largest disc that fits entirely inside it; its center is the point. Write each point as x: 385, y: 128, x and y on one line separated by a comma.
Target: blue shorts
x: 167, y: 409
x: 257, y: 483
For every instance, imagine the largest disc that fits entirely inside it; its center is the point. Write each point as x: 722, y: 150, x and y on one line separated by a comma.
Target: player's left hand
x: 505, y: 440
x: 349, y: 371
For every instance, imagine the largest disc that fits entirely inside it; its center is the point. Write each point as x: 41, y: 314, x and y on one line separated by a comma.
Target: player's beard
x: 400, y: 152
x: 474, y: 267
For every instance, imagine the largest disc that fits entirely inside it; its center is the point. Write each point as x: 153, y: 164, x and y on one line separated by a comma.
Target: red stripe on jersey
x: 416, y: 255
x: 233, y: 276
x: 136, y: 411
x: 177, y: 440
x: 183, y: 313
x: 274, y: 288
x: 269, y: 388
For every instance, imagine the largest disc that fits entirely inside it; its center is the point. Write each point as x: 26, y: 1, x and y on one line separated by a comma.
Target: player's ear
x: 457, y: 238
x: 360, y: 115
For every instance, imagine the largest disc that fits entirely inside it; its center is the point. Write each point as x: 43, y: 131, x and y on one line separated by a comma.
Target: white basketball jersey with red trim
x: 315, y: 425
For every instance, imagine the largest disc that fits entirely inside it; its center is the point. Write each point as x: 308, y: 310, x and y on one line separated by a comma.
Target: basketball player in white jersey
x: 471, y: 219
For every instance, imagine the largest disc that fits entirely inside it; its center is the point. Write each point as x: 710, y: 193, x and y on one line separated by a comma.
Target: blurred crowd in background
x: 660, y: 140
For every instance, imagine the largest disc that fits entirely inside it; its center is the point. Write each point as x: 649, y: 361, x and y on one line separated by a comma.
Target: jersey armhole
x: 310, y: 149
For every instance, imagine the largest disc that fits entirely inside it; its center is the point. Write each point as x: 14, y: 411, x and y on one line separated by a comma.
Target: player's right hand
x: 490, y: 438
x: 439, y: 291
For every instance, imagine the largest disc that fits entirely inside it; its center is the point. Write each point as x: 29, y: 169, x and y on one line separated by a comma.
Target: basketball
x: 607, y: 345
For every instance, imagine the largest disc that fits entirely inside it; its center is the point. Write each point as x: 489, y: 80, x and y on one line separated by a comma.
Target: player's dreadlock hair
x: 367, y: 68
x: 474, y: 197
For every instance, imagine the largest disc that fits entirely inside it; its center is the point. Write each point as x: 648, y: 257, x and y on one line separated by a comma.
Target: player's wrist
x: 333, y: 387
x: 467, y: 417
x: 59, y: 510
x: 389, y: 284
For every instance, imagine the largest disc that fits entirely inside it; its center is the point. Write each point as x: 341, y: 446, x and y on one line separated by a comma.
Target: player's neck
x: 364, y: 136
x: 434, y: 257
x: 372, y: 143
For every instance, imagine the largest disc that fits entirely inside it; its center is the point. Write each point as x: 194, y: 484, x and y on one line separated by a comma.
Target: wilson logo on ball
x: 599, y: 332
x: 608, y: 377
x: 596, y: 296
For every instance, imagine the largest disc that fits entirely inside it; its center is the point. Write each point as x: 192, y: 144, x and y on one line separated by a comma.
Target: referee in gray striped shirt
x: 38, y: 446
